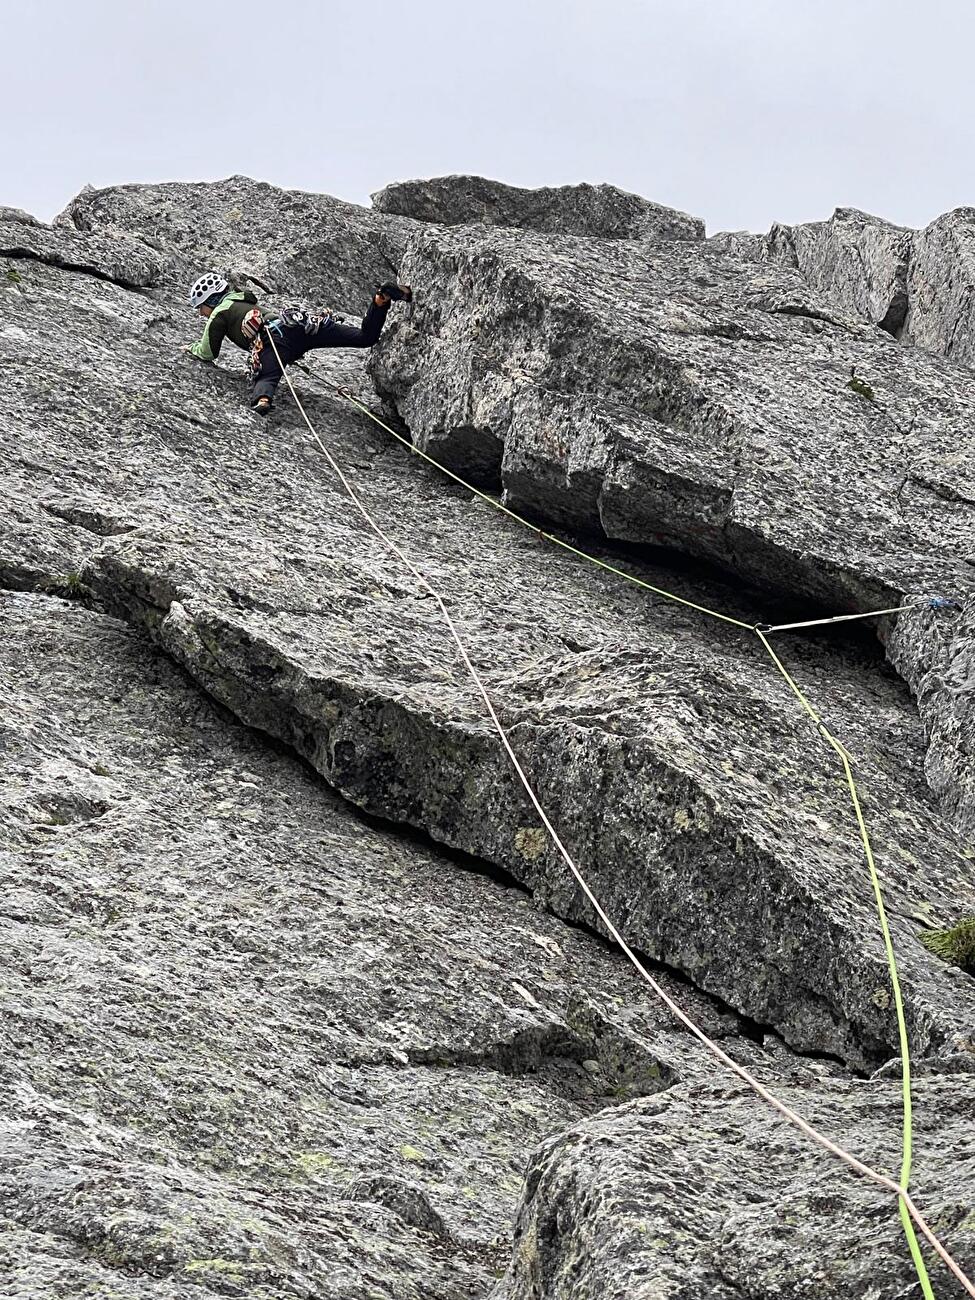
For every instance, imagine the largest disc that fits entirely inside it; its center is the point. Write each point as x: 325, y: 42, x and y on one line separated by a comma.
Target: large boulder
x: 18, y: 216
x: 309, y: 247
x: 918, y: 285
x: 597, y: 211
x: 636, y: 1203
x: 941, y: 286
x: 859, y: 261
x: 123, y: 258
x: 670, y: 394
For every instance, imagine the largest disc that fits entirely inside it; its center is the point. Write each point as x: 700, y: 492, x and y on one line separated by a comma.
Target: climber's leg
x: 335, y: 335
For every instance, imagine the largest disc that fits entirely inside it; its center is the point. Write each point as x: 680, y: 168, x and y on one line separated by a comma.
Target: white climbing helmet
x: 208, y: 284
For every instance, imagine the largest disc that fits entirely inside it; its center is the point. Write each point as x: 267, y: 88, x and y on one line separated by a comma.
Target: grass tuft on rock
x: 956, y: 945
x: 862, y: 388
x: 69, y: 586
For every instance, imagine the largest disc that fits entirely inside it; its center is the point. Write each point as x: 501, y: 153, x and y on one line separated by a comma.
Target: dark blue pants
x: 293, y: 342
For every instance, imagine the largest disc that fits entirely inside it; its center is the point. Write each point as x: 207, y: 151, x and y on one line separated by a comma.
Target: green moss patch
x: 956, y: 945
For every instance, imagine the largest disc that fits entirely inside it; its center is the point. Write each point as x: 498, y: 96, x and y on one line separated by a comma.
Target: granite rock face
x: 596, y: 211
x: 634, y: 1204
x: 308, y: 247
x: 651, y: 732
x: 253, y: 1044
x: 18, y: 216
x: 858, y: 260
x: 123, y: 258
x: 671, y: 394
x: 941, y: 287
x: 918, y: 285
x: 664, y: 391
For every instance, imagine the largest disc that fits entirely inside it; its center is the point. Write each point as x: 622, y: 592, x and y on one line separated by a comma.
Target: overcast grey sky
x: 740, y: 111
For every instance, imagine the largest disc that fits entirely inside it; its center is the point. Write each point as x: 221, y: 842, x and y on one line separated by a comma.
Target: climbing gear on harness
x: 910, y: 1215
x: 298, y: 318
x: 250, y: 326
x: 293, y: 318
x: 205, y: 287
x: 395, y: 292
x: 253, y: 367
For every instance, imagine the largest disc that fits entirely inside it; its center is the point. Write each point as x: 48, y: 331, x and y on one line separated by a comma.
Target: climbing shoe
x: 395, y: 292
x: 263, y: 406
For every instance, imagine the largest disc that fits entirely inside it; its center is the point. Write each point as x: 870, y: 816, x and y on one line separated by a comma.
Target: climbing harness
x: 909, y: 1213
x: 255, y: 327
x: 298, y: 318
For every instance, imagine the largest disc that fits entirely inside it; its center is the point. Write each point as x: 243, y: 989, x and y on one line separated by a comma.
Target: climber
x: 236, y: 316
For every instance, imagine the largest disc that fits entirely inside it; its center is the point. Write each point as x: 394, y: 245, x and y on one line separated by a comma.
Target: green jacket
x: 224, y: 322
